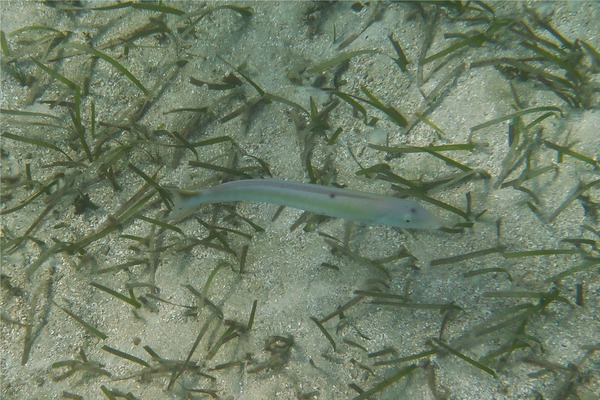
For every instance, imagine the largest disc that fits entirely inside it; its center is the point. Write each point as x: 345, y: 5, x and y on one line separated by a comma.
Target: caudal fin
x: 183, y: 204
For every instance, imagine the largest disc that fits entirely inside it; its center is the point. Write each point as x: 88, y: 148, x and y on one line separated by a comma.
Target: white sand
x: 283, y: 268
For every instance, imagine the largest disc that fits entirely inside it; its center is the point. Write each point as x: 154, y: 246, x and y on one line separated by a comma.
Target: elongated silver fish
x: 335, y: 202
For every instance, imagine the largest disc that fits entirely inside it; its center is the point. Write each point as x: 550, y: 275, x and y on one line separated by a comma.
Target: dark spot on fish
x: 331, y: 195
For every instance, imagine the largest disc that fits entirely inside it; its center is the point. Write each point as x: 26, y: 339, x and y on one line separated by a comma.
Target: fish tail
x: 184, y: 203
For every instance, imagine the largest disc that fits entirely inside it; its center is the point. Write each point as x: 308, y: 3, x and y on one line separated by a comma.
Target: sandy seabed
x: 101, y: 299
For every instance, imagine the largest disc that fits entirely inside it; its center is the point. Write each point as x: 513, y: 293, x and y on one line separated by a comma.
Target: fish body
x: 370, y: 208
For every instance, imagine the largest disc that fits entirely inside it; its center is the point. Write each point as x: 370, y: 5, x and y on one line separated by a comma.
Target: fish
x: 348, y: 204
